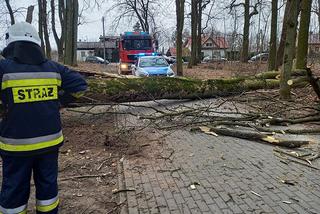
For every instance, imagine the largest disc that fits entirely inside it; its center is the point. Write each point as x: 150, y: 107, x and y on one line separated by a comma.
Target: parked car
x: 214, y: 59
x: 259, y: 57
x: 148, y: 66
x: 96, y: 59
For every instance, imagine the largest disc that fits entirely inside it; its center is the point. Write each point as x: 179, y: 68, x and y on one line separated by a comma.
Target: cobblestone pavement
x: 199, y: 173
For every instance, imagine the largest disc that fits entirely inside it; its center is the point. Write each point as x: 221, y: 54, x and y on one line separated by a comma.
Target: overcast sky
x: 165, y: 19
x: 92, y: 28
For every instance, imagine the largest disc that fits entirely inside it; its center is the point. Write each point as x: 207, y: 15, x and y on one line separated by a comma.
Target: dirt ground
x: 89, y: 161
x: 85, y: 154
x: 224, y: 70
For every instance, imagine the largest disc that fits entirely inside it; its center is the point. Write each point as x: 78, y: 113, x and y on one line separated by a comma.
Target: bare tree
x: 180, y: 23
x: 43, y: 26
x: 316, y: 10
x: 289, y: 50
x: 318, y: 16
x: 59, y: 40
x: 143, y: 10
x: 10, y: 12
x: 303, y: 36
x: 71, y: 32
x: 273, y: 36
x: 246, y: 27
x: 194, y: 33
x: 280, y: 51
x: 40, y: 24
x: 202, y: 4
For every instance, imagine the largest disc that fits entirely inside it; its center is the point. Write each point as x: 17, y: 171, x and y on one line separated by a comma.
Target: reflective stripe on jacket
x: 30, y: 98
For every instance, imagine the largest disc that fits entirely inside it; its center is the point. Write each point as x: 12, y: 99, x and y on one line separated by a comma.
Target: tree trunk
x: 180, y: 23
x: 252, y: 135
x: 71, y: 28
x: 29, y: 14
x: 142, y: 89
x: 75, y: 30
x: 40, y: 23
x: 61, y: 12
x: 303, y: 36
x: 194, y: 24
x: 10, y: 12
x: 54, y: 31
x: 199, y: 43
x: 246, y: 28
x: 280, y: 51
x: 273, y: 37
x: 45, y: 29
x: 318, y: 13
x: 289, y: 50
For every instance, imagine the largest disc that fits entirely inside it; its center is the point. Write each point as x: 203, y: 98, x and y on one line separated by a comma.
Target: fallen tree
x: 143, y: 89
x: 240, y: 123
x: 251, y: 135
x: 113, y: 88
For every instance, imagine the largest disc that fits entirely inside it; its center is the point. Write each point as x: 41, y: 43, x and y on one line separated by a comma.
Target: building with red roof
x: 212, y: 45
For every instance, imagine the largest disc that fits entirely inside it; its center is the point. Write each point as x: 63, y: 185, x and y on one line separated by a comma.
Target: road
x: 185, y: 172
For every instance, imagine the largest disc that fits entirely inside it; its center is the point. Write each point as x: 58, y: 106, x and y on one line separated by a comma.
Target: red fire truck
x: 131, y: 46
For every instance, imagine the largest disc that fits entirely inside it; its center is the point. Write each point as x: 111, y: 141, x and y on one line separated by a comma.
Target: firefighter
x: 32, y: 90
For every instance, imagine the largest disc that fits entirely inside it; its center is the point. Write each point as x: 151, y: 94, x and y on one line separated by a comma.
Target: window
x: 83, y: 53
x: 137, y: 44
x: 317, y: 49
x: 153, y: 62
x: 209, y: 44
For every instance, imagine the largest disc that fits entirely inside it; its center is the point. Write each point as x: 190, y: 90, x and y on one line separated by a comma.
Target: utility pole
x: 104, y: 41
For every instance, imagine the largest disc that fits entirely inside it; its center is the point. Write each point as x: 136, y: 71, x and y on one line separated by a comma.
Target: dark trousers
x: 16, y: 182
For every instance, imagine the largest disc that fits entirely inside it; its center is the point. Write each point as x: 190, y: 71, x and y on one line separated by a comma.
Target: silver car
x: 149, y: 66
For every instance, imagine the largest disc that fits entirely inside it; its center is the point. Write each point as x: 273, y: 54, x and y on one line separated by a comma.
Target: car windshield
x: 137, y: 44
x: 153, y: 62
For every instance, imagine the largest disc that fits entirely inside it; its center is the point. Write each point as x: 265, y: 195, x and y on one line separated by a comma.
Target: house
x: 314, y: 43
x: 212, y: 45
x: 85, y: 49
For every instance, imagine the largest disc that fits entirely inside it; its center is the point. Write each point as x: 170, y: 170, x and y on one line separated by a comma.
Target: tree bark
x: 58, y: 40
x: 40, y: 23
x: 180, y: 23
x: 199, y: 36
x: 71, y: 28
x: 45, y: 29
x: 61, y: 11
x: 318, y: 13
x: 194, y: 29
x: 280, y: 51
x: 303, y: 36
x: 29, y: 14
x: 75, y: 30
x: 314, y: 82
x: 143, y: 89
x: 256, y: 136
x: 246, y: 29
x: 273, y: 37
x: 289, y: 50
x: 12, y: 21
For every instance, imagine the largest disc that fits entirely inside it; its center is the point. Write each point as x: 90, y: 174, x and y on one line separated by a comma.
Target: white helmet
x: 22, y: 31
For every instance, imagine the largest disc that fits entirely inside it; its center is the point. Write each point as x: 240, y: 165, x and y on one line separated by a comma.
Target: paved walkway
x: 199, y: 173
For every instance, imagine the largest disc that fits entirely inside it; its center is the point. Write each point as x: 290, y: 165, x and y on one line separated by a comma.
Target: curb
x: 122, y: 185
